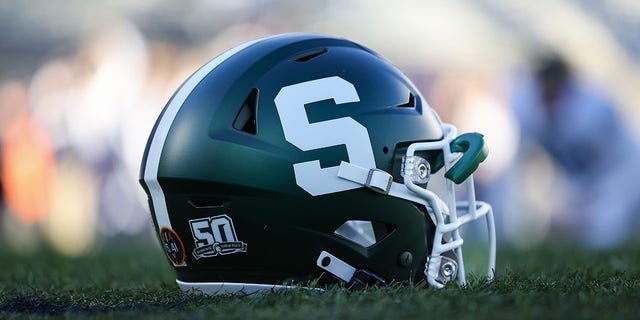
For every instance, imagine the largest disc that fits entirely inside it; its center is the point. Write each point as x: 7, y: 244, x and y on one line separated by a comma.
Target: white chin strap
x: 382, y: 182
x: 439, y: 269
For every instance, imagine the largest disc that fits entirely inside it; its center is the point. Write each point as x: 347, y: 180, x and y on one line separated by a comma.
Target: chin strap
x: 374, y: 179
x: 356, y: 278
x: 382, y: 182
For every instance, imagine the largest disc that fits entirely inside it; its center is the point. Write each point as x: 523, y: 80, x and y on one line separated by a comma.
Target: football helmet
x: 304, y: 158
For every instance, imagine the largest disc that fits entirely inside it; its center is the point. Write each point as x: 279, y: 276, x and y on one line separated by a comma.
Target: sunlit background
x: 82, y: 82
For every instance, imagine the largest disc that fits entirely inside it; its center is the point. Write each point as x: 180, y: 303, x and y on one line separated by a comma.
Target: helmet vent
x: 308, y: 55
x: 246, y: 118
x: 409, y: 104
x: 203, y: 203
x: 364, y: 233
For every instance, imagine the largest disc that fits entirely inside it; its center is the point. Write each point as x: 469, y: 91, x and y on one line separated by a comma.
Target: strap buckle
x: 379, y: 181
x: 356, y: 278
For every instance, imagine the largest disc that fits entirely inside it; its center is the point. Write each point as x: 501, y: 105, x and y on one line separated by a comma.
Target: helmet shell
x: 212, y: 165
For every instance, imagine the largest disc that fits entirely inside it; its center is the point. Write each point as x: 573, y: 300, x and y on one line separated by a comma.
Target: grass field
x: 135, y: 282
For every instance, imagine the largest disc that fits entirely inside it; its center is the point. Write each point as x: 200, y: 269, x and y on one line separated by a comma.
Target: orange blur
x: 28, y: 169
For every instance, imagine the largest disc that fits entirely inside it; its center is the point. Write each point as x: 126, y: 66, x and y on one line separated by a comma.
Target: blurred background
x: 553, y: 85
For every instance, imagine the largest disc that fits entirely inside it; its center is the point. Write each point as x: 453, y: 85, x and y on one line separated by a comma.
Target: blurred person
x: 480, y: 104
x: 578, y: 127
x: 475, y: 101
x: 91, y: 109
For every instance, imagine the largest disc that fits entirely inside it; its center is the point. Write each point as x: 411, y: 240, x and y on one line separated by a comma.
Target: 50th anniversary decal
x: 215, y: 236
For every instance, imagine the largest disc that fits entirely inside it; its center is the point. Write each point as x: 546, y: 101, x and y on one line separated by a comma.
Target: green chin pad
x: 474, y: 150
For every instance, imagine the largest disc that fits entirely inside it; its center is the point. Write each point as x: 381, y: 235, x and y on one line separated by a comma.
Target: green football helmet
x: 303, y: 158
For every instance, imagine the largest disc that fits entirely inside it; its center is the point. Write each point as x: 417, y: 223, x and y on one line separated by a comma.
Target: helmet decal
x: 290, y: 103
x: 215, y: 236
x: 173, y: 246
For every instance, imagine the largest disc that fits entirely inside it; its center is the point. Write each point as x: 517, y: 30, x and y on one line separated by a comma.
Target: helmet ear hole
x: 364, y: 233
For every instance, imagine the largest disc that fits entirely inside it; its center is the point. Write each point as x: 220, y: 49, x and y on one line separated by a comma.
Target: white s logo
x: 290, y: 103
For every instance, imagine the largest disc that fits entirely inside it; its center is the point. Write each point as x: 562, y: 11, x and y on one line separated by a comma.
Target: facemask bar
x: 439, y: 268
x: 444, y: 214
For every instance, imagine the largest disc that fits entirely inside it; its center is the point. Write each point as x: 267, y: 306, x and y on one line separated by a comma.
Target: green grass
x: 135, y: 282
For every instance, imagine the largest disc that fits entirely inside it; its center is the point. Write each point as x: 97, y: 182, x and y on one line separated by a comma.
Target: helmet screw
x: 423, y: 171
x: 405, y: 259
x: 448, y: 270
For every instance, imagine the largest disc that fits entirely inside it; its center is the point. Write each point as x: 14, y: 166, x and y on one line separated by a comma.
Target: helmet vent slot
x: 246, y: 119
x: 409, y: 104
x: 308, y: 55
x: 204, y: 203
x: 364, y: 233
